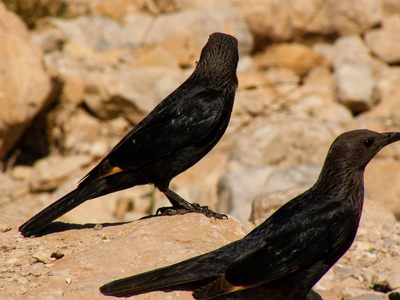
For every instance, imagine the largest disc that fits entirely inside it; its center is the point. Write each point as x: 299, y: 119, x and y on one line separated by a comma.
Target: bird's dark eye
x: 368, y: 142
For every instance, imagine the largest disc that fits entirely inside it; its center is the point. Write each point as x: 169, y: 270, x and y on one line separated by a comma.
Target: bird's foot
x: 195, y: 207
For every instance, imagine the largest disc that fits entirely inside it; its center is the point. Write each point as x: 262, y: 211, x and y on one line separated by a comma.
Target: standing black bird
x: 179, y: 131
x: 290, y: 251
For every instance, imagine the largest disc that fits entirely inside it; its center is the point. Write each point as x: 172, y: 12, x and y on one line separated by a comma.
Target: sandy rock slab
x: 73, y: 261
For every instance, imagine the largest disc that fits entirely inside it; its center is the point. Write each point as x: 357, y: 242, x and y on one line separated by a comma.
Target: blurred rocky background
x: 76, y: 75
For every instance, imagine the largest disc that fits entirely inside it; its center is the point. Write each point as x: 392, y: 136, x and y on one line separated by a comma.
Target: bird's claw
x: 195, y: 207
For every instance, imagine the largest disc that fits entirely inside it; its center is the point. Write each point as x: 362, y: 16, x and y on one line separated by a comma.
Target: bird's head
x: 219, y: 56
x: 356, y: 148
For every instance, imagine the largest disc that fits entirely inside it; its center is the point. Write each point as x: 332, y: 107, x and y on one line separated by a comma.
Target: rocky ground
x: 75, y: 82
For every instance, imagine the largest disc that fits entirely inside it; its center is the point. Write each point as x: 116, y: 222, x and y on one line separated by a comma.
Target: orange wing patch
x: 216, y: 288
x: 112, y: 171
x: 98, y: 173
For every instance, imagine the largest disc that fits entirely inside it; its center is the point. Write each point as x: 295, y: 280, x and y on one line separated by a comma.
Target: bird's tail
x: 62, y: 206
x: 162, y: 279
x: 186, y: 275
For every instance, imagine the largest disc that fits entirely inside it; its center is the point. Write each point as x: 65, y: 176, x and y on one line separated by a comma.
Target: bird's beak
x: 390, y: 137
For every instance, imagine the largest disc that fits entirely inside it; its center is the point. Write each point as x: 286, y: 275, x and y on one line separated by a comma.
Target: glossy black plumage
x: 180, y: 131
x: 290, y: 251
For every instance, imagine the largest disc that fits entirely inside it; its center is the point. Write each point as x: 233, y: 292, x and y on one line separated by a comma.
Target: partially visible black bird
x: 179, y: 131
x: 290, y: 251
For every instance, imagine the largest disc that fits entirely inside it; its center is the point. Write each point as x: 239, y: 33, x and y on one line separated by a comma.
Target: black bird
x: 179, y: 131
x: 290, y: 251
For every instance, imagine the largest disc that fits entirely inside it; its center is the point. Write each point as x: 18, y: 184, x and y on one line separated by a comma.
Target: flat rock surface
x: 93, y: 257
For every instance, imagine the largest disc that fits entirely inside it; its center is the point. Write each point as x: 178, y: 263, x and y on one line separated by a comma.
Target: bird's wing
x: 295, y: 237
x: 171, y: 126
x: 291, y: 239
x: 292, y: 242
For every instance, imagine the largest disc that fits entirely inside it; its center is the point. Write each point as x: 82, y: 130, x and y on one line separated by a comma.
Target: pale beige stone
x: 24, y: 86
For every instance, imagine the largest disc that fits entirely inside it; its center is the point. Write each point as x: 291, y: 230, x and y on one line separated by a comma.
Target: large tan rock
x: 355, y: 87
x: 93, y: 258
x: 385, y: 42
x: 49, y: 172
x: 195, y: 25
x: 24, y: 86
x: 294, y: 56
x: 380, y: 180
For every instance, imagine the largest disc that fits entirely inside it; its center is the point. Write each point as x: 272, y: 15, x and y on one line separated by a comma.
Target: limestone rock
x: 292, y: 56
x: 265, y: 204
x: 116, y: 9
x: 11, y: 189
x: 349, y: 17
x: 237, y: 190
x: 96, y: 32
x: 202, y: 21
x: 352, y: 50
x: 390, y: 7
x: 388, y: 107
x: 49, y: 172
x: 278, y: 141
x: 355, y: 87
x: 380, y: 186
x: 93, y: 258
x: 130, y: 92
x: 267, y: 19
x: 384, y: 43
x: 24, y: 86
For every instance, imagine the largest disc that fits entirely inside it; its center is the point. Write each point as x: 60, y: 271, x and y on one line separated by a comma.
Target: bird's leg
x: 181, y: 206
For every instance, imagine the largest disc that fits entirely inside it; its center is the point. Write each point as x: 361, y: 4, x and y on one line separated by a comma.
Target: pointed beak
x: 390, y: 137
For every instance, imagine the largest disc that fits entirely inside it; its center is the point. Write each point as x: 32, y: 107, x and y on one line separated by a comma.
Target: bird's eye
x: 368, y: 142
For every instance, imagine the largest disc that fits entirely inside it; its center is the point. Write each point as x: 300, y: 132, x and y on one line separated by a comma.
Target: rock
x: 24, y: 86
x: 93, y: 258
x: 370, y: 296
x: 294, y: 56
x: 95, y: 32
x: 11, y: 189
x: 264, y: 205
x: 43, y: 257
x: 349, y: 17
x: 130, y: 92
x: 387, y: 108
x: 390, y: 7
x: 49, y: 172
x: 83, y: 134
x: 158, y: 56
x: 340, y: 17
x: 384, y: 43
x: 267, y: 19
x: 236, y: 190
x: 202, y: 21
x: 47, y: 36
x: 355, y: 87
x: 116, y: 10
x: 21, y: 172
x: 313, y: 16
x: 316, y: 98
x: 393, y: 280
x: 380, y: 185
x: 352, y: 50
x: 70, y: 73
x: 5, y: 227
x: 275, y: 140
x: 282, y: 20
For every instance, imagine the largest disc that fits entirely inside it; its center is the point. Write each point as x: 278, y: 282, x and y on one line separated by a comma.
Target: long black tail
x: 186, y: 275
x: 145, y: 282
x: 62, y: 206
